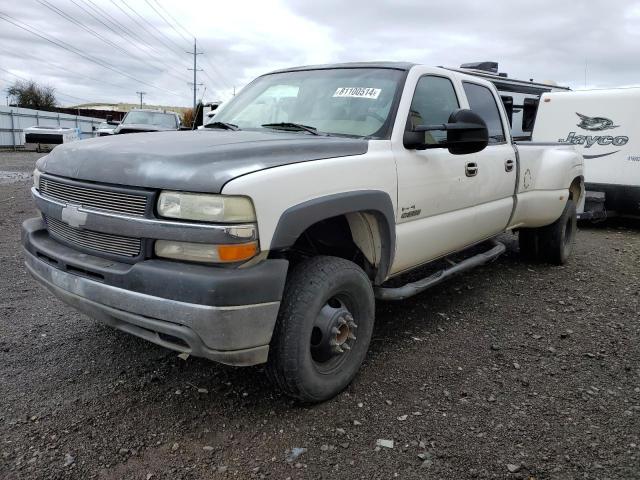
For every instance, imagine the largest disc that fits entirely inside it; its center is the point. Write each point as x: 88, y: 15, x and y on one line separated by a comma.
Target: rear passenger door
x: 495, y: 179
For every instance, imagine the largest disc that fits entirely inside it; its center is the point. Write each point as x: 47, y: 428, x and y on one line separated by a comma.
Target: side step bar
x: 411, y: 289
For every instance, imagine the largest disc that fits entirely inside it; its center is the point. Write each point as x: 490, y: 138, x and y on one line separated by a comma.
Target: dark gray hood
x: 199, y: 161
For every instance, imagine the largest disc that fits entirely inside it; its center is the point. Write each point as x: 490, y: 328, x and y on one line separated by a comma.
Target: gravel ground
x: 513, y: 370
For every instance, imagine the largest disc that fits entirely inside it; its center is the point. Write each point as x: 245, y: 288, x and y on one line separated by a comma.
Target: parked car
x: 603, y: 125
x: 47, y: 137
x: 105, y: 128
x: 266, y: 237
x: 144, y: 120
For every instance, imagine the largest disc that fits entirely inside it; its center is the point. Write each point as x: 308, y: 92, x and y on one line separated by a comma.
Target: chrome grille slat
x: 100, y: 242
x: 117, y: 202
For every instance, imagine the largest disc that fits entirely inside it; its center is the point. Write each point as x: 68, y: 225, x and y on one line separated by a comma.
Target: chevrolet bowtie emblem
x: 73, y: 217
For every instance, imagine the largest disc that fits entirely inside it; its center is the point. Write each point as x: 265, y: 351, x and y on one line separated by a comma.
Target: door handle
x: 508, y: 165
x: 471, y: 169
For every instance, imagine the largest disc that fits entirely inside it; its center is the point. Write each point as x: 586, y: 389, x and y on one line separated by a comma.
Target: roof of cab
x: 382, y: 64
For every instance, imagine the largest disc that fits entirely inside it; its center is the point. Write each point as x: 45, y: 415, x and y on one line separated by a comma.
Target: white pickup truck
x: 266, y: 237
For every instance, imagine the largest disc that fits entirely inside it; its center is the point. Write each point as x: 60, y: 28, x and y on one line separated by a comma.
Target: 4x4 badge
x: 72, y: 216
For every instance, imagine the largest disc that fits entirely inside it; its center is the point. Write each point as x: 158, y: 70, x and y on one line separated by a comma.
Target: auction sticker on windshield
x: 358, y: 92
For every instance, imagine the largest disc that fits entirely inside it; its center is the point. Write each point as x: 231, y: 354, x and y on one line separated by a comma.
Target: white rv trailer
x: 603, y: 125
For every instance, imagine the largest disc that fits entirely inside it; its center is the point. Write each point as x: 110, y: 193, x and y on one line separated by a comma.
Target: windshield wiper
x: 292, y: 126
x: 223, y: 125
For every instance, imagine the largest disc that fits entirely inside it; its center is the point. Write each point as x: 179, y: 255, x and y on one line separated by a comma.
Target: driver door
x: 439, y: 200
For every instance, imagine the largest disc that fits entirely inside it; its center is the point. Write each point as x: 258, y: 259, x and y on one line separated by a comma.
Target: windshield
x: 167, y: 120
x: 343, y: 101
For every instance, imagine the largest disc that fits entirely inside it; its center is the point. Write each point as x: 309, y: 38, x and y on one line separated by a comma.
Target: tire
x: 318, y: 291
x: 528, y: 242
x: 553, y: 243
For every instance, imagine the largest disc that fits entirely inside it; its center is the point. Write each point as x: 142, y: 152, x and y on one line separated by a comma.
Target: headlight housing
x: 201, y: 252
x: 36, y: 179
x: 206, y: 207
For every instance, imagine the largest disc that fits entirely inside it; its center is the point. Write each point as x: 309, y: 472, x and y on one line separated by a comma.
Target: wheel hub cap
x: 333, y: 332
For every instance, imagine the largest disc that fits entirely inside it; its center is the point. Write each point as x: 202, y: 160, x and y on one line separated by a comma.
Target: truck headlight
x: 36, y: 179
x: 207, y: 208
x: 201, y: 252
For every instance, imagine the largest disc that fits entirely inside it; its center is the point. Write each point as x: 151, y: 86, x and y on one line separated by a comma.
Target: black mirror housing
x: 471, y: 137
x: 466, y: 133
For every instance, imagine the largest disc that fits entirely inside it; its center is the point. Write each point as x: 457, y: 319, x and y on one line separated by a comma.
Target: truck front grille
x: 95, y: 198
x: 97, y: 241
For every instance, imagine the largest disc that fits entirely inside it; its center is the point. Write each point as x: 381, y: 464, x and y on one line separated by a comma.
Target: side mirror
x: 466, y: 133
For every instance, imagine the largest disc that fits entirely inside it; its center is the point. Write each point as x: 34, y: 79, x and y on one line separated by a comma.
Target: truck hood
x: 197, y: 161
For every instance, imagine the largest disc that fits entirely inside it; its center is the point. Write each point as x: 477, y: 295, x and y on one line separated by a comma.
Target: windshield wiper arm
x: 223, y: 125
x: 292, y: 126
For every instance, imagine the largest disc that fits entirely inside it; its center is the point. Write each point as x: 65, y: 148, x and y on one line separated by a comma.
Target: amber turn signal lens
x: 237, y: 253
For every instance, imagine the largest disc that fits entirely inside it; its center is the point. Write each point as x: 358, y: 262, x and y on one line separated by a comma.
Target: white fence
x: 14, y: 120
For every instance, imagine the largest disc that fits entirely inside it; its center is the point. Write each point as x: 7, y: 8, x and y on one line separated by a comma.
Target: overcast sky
x: 125, y: 46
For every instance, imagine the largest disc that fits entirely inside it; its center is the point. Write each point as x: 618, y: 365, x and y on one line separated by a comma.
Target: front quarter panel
x: 275, y: 190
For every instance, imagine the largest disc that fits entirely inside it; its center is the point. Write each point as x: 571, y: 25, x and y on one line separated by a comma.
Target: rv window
x: 529, y: 110
x: 508, y: 107
x: 482, y: 102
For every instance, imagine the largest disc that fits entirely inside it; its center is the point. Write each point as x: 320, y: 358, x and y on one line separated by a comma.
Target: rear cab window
x: 482, y: 102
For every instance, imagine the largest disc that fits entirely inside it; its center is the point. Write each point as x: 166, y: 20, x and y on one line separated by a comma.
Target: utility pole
x: 195, y: 69
x: 141, y: 94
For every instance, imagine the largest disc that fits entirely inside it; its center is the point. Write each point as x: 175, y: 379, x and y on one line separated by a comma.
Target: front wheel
x: 323, y: 329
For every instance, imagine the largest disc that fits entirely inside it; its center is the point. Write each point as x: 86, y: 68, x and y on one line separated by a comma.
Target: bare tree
x: 29, y: 94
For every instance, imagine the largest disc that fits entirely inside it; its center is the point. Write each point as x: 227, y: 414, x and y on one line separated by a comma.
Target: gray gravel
x: 513, y: 370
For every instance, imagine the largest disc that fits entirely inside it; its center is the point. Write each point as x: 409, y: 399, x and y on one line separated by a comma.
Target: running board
x: 411, y: 289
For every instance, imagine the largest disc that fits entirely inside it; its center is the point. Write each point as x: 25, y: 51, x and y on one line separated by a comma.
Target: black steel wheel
x: 323, y: 330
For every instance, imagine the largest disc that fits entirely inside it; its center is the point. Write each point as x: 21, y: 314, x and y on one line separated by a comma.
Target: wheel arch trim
x: 296, y: 219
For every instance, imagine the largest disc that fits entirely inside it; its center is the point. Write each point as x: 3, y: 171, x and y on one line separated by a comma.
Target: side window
x: 482, y: 101
x: 433, y: 101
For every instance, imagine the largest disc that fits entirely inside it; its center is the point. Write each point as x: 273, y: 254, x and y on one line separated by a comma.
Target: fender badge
x: 72, y: 216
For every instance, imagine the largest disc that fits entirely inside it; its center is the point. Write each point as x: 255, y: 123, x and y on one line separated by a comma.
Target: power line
x: 59, y: 92
x: 70, y: 48
x: 166, y: 21
x: 222, y: 79
x: 73, y: 20
x: 60, y: 67
x: 148, y: 23
x: 126, y: 31
x: 189, y: 34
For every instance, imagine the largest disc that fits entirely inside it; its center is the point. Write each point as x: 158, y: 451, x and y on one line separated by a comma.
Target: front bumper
x: 226, y: 315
